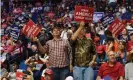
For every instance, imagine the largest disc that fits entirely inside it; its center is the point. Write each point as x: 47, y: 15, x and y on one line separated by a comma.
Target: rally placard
x: 30, y: 29
x: 107, y: 20
x: 2, y: 32
x: 83, y: 13
x: 97, y: 16
x: 15, y: 31
x: 116, y: 27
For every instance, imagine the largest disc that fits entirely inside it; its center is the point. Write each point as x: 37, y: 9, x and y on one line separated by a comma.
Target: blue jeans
x: 83, y: 73
x: 37, y: 74
x: 60, y: 73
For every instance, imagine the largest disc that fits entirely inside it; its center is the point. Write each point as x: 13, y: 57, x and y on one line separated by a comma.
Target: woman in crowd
x: 124, y: 35
x: 121, y: 53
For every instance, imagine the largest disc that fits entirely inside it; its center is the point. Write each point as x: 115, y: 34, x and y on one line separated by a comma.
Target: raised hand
x: 82, y: 24
x: 35, y: 39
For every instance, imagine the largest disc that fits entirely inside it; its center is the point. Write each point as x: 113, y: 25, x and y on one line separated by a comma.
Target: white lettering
x: 79, y: 17
x: 84, y: 10
x: 31, y: 30
x: 83, y: 14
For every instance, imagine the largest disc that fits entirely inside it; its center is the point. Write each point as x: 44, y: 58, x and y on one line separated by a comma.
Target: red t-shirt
x: 114, y: 72
x: 130, y: 45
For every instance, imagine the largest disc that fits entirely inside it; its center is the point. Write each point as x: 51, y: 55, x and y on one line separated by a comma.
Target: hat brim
x: 100, y: 52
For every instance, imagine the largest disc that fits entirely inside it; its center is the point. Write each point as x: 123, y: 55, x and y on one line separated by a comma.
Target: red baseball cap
x: 100, y: 49
x: 48, y: 71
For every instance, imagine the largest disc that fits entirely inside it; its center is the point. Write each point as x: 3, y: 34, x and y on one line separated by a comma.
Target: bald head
x: 111, y: 56
x: 111, y: 53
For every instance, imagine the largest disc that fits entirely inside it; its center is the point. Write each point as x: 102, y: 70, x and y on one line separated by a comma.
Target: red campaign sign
x: 19, y: 75
x: 83, y: 13
x: 116, y: 27
x: 30, y: 29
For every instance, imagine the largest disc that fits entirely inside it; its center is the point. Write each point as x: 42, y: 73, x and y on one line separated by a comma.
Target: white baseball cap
x: 69, y: 78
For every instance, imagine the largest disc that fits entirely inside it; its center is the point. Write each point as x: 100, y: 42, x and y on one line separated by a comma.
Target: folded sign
x: 30, y: 29
x: 116, y: 27
x: 83, y: 13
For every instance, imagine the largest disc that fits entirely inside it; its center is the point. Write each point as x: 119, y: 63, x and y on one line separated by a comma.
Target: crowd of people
x: 65, y: 49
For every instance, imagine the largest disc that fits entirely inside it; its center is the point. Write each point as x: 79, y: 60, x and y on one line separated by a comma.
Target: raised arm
x: 98, y: 78
x: 27, y: 61
x: 75, y: 35
x: 40, y: 47
x: 44, y: 60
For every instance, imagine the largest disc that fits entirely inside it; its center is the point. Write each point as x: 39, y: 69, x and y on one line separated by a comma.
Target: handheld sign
x: 97, y: 16
x: 15, y: 31
x: 30, y: 29
x: 116, y: 27
x: 107, y: 20
x: 83, y: 13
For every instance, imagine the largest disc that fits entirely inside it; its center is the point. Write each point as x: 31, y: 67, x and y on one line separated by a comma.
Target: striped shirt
x: 60, y: 52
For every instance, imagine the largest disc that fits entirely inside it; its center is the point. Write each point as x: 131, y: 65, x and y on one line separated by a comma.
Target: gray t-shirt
x: 129, y: 71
